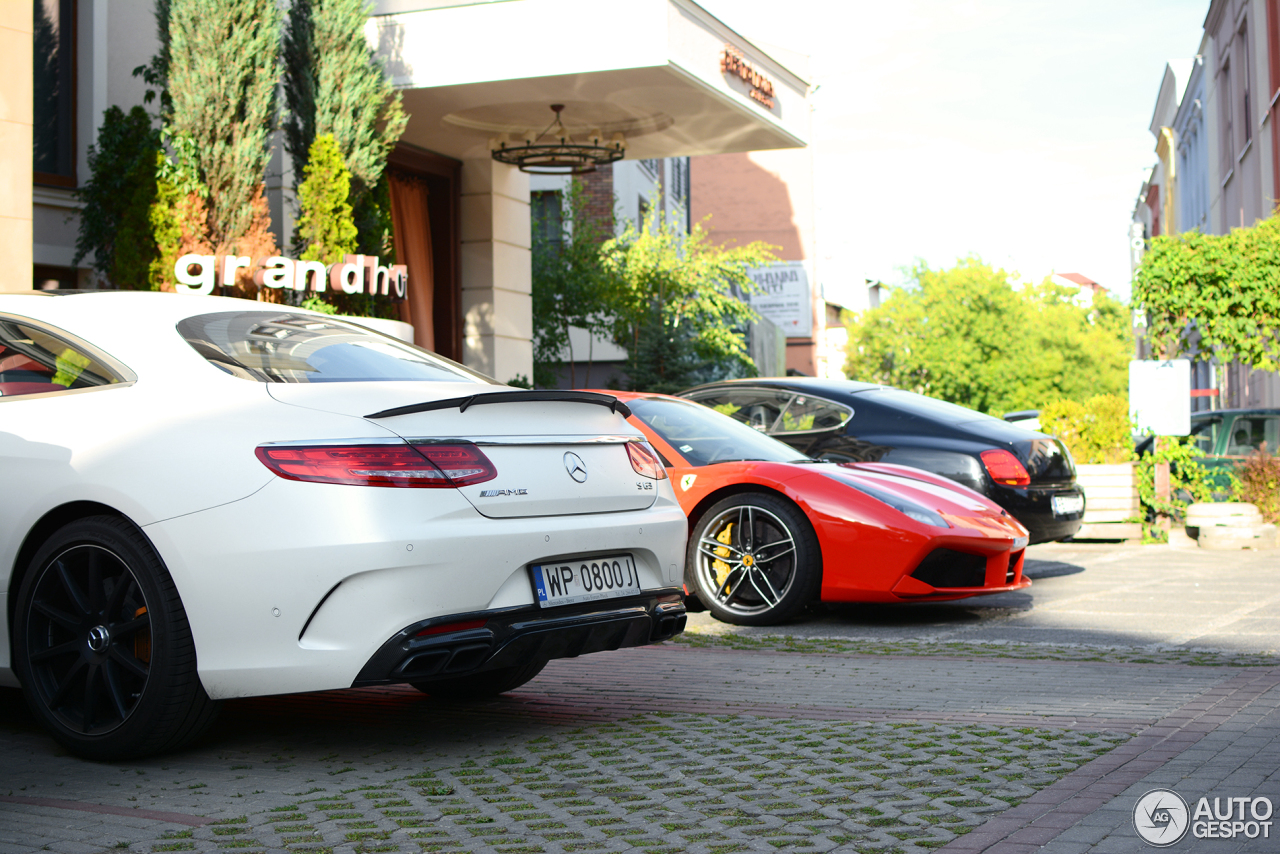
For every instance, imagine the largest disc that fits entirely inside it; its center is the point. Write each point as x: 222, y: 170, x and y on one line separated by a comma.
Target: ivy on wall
x: 1214, y: 296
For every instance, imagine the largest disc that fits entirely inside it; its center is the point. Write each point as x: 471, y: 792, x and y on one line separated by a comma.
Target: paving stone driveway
x: 908, y: 746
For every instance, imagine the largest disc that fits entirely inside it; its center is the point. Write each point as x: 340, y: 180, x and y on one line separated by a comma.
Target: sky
x: 1013, y: 130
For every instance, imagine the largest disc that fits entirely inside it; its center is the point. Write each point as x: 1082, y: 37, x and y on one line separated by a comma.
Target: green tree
x: 674, y: 302
x: 1214, y: 296
x: 221, y: 80
x: 568, y: 284
x: 115, y: 220
x: 333, y: 84
x: 968, y: 336
x: 325, y: 225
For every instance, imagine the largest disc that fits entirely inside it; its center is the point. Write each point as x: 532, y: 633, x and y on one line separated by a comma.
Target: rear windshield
x: 704, y: 436
x: 288, y: 347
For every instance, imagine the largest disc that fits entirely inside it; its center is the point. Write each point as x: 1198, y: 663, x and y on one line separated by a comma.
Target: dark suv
x: 1029, y: 474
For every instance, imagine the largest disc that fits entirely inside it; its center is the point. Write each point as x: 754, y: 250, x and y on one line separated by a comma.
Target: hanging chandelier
x: 556, y: 152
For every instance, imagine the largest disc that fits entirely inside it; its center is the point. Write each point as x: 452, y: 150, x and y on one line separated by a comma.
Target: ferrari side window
x: 34, y: 361
x: 808, y: 414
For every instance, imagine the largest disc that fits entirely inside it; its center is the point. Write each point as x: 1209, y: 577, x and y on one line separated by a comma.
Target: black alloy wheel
x: 754, y: 560
x: 102, y: 645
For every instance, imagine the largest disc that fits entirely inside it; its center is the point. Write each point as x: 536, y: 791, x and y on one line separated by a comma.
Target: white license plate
x: 567, y: 582
x: 1068, y: 505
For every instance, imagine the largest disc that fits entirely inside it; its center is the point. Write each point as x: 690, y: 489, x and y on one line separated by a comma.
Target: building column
x: 16, y: 36
x: 497, y: 270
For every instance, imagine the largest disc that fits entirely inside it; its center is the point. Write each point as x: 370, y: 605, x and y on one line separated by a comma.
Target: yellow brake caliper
x: 720, y: 567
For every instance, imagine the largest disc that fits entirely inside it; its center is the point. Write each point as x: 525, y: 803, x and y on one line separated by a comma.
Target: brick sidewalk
x: 662, y: 749
x: 715, y: 749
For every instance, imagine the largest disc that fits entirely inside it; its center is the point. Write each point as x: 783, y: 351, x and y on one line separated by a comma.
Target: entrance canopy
x: 670, y: 77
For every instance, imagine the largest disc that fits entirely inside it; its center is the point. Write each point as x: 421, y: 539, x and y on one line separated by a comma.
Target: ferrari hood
x: 959, y: 507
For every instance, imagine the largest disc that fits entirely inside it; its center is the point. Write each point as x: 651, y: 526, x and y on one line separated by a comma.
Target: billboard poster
x: 785, y: 297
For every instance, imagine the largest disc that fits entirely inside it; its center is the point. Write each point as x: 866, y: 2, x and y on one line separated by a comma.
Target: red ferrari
x: 772, y: 530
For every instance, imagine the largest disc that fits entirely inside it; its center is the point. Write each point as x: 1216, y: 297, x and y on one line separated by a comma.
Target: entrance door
x: 425, y: 204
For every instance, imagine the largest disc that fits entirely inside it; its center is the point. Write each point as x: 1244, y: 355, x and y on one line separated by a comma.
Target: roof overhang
x: 648, y: 68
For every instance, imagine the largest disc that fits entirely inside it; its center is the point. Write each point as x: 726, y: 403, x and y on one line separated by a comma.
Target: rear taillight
x: 1005, y: 468
x: 462, y: 462
x: 381, y: 465
x: 645, y: 461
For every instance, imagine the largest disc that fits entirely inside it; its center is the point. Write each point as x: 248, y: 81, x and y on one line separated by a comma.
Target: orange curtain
x: 412, y: 228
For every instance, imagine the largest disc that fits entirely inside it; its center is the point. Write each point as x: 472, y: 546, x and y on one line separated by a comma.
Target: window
x: 758, y: 408
x: 703, y: 437
x: 548, y: 218
x: 1228, y: 154
x: 1249, y: 432
x: 36, y: 361
x: 808, y: 414
x: 1206, y: 434
x: 680, y: 181
x: 1246, y: 108
x: 652, y: 167
x: 284, y: 347
x: 53, y: 108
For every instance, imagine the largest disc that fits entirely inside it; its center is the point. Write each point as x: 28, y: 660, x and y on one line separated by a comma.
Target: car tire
x: 102, y: 645
x: 778, y: 577
x: 477, y: 686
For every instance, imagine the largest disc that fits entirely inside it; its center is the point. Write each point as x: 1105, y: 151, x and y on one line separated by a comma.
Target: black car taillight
x: 1005, y: 468
x: 444, y: 466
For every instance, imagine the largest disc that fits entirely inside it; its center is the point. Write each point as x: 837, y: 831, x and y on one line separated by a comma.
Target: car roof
x: 1252, y: 410
x: 128, y: 325
x: 812, y: 385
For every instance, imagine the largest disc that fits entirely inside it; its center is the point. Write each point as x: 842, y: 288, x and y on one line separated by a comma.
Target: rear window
x: 704, y: 437
x: 289, y: 347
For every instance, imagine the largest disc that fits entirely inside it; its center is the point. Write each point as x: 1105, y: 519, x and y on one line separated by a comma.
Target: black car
x: 1029, y: 474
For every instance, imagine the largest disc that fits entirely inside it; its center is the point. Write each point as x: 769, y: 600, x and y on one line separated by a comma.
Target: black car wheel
x: 754, y: 560
x: 102, y: 646
x: 477, y: 686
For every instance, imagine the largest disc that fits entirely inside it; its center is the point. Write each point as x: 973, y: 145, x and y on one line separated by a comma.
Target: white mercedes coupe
x: 209, y: 498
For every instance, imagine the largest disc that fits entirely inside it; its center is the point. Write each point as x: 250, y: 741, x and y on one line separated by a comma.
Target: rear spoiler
x: 535, y: 396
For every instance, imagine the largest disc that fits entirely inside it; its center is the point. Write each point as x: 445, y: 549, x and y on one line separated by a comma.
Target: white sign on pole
x: 1160, y: 396
x: 785, y: 297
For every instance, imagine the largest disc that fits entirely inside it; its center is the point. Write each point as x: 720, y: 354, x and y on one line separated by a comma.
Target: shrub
x: 1259, y: 477
x: 1189, y: 482
x: 114, y: 224
x: 1096, y: 431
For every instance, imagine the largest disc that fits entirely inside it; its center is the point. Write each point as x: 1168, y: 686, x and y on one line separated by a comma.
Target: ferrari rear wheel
x: 755, y: 560
x: 477, y: 686
x: 102, y: 645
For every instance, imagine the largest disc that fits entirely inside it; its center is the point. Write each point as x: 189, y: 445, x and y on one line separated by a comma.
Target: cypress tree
x: 221, y: 74
x: 325, y: 225
x: 117, y: 198
x: 334, y: 84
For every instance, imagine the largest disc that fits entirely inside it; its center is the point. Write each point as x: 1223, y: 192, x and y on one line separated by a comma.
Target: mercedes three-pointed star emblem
x: 576, y: 468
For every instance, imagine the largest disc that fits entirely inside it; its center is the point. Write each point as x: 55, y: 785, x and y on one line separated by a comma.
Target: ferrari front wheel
x: 754, y: 560
x: 102, y: 645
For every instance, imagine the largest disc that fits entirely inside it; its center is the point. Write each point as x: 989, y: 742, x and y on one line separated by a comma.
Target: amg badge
x: 495, y: 493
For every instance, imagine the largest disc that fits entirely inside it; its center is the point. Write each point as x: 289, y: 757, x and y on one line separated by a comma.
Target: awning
x: 665, y: 73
